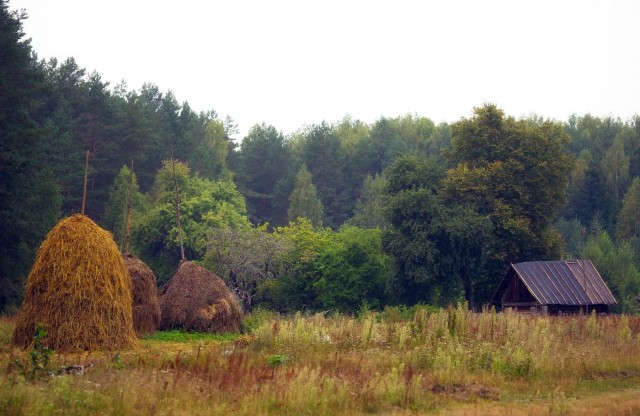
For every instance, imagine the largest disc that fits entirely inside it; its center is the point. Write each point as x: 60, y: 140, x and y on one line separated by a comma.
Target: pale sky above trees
x: 291, y: 63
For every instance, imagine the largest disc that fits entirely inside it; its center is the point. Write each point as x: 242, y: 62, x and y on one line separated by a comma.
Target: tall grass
x: 389, y: 362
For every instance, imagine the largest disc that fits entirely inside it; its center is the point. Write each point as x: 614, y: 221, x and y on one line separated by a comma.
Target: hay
x: 146, y: 304
x: 197, y: 300
x: 79, y: 289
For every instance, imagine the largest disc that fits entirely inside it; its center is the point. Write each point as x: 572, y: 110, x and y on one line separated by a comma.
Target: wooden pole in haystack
x: 84, y: 191
x: 177, y: 204
x: 128, y: 219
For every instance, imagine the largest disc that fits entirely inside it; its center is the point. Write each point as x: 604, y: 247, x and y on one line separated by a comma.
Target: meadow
x: 396, y: 362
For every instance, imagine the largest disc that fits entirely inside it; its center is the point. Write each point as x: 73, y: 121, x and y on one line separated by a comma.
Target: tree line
x: 335, y: 216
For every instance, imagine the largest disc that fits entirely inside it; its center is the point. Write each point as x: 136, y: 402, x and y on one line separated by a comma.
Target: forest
x: 341, y: 215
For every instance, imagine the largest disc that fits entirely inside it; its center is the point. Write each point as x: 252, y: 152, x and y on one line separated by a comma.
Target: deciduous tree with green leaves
x: 439, y: 247
x: 412, y: 209
x: 514, y: 172
x: 293, y: 290
x: 204, y: 205
x: 210, y: 159
x: 351, y: 269
x: 615, y: 262
x: 369, y: 212
x: 115, y: 216
x: 304, y: 201
x: 628, y: 225
x: 326, y: 269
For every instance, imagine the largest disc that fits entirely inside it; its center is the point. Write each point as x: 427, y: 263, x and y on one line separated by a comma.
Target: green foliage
x: 515, y: 172
x: 115, y: 216
x: 413, y: 208
x: 293, y: 289
x: 462, y: 236
x: 210, y: 156
x: 442, y: 361
x: 439, y: 248
x: 304, y: 201
x: 29, y: 193
x: 518, y: 364
x: 512, y: 172
x: 350, y: 133
x: 325, y: 269
x: 40, y: 356
x: 204, y: 205
x: 258, y: 317
x: 574, y: 235
x: 614, y: 161
x: 616, y: 265
x: 261, y: 169
x: 369, y: 212
x: 628, y: 225
x: 616, y: 168
x: 576, y: 183
x: 188, y: 337
x: 116, y: 362
x: 401, y: 313
x: 351, y: 268
x: 277, y: 360
x: 322, y: 154
x: 593, y: 199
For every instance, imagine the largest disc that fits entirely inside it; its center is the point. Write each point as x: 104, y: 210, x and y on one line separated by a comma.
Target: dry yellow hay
x: 195, y: 299
x: 146, y: 304
x: 79, y: 289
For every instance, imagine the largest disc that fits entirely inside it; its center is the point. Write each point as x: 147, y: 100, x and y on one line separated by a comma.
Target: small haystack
x: 79, y: 289
x: 146, y: 304
x: 197, y: 300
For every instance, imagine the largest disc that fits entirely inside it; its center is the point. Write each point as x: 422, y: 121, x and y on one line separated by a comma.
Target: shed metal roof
x: 564, y: 282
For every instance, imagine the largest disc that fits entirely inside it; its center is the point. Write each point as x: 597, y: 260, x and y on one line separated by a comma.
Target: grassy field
x: 391, y: 363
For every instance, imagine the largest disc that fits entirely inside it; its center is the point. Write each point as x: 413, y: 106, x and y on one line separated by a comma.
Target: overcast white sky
x: 291, y: 63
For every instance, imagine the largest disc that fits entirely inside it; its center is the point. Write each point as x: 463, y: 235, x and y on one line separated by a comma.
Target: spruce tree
x: 29, y: 197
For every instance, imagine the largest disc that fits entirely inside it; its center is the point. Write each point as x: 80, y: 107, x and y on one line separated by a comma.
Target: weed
x: 277, y: 360
x: 116, y: 362
x: 40, y: 356
x: 558, y: 404
x: 364, y: 310
x: 255, y: 319
x: 442, y: 361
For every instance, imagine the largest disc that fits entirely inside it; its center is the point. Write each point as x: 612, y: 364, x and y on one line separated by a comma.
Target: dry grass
x: 449, y: 362
x: 79, y: 290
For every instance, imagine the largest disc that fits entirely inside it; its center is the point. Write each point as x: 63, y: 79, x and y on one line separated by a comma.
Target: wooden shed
x: 554, y: 287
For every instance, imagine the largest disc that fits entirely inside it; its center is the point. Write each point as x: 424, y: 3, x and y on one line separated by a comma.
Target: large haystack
x: 79, y: 289
x: 146, y: 304
x: 197, y: 300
